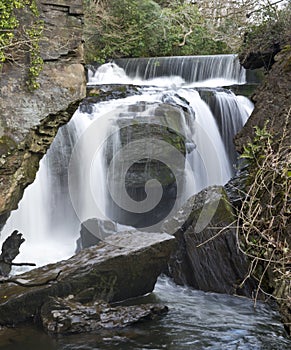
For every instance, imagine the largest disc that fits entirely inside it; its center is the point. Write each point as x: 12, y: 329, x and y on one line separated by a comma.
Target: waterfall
x: 86, y: 155
x: 230, y: 112
x: 216, y: 70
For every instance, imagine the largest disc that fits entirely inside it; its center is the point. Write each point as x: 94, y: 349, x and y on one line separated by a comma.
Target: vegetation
x: 263, y: 221
x: 141, y: 28
x: 18, y: 40
x: 271, y: 34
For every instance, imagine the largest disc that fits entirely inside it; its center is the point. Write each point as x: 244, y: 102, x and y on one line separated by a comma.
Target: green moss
x: 7, y: 144
x: 287, y: 62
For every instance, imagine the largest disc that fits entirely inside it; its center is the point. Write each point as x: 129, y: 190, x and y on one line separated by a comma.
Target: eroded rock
x: 65, y: 316
x: 126, y: 266
x: 152, y: 144
x: 207, y: 257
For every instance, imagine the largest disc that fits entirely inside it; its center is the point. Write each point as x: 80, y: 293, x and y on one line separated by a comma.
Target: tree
x: 229, y: 20
x: 136, y: 28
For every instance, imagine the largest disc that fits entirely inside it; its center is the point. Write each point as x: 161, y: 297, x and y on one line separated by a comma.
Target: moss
x: 287, y: 65
x: 7, y: 144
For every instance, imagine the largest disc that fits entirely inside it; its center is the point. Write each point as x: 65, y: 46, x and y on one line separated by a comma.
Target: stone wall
x: 30, y: 120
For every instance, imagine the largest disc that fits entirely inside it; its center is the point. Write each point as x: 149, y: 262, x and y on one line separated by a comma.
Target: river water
x: 196, y: 320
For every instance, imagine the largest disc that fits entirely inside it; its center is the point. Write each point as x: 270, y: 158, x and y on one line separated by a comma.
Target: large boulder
x: 29, y: 120
x: 126, y: 266
x: 151, y: 138
x: 207, y: 255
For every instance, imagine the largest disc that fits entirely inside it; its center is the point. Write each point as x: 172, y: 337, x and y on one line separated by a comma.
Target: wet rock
x: 94, y: 231
x: 10, y: 250
x: 65, y: 316
x: 88, y: 238
x: 156, y: 131
x: 127, y: 265
x: 98, y: 93
x: 246, y: 90
x: 207, y: 257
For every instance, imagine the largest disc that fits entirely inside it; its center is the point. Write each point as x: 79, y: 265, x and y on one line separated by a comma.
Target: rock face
x: 124, y: 267
x: 272, y: 101
x: 156, y: 131
x: 263, y: 43
x: 207, y: 257
x: 65, y: 316
x: 254, y: 60
x: 30, y: 120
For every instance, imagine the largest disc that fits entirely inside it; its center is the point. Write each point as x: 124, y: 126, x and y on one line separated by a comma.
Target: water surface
x: 196, y: 320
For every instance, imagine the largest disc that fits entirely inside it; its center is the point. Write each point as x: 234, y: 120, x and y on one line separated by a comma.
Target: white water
x: 46, y: 216
x: 189, y: 71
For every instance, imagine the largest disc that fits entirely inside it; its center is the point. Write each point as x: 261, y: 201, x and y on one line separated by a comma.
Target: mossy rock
x: 7, y: 144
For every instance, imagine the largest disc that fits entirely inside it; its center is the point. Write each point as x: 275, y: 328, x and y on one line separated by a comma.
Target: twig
x: 23, y: 264
x: 216, y: 235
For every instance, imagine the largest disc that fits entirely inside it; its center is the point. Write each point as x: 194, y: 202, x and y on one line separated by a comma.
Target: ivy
x: 256, y: 151
x: 12, y: 37
x: 36, y: 62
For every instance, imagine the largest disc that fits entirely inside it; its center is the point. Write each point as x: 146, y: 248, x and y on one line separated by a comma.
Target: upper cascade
x: 211, y: 71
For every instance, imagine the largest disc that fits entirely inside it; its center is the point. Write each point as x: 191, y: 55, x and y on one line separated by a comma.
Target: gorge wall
x: 273, y: 105
x: 29, y: 120
x: 272, y: 100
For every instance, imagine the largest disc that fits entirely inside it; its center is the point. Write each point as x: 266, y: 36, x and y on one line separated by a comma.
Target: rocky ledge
x: 29, y: 120
x: 126, y: 266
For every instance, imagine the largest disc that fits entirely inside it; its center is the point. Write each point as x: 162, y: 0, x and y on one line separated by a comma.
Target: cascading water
x: 207, y: 119
x: 210, y: 71
x: 193, y: 69
x: 175, y: 101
